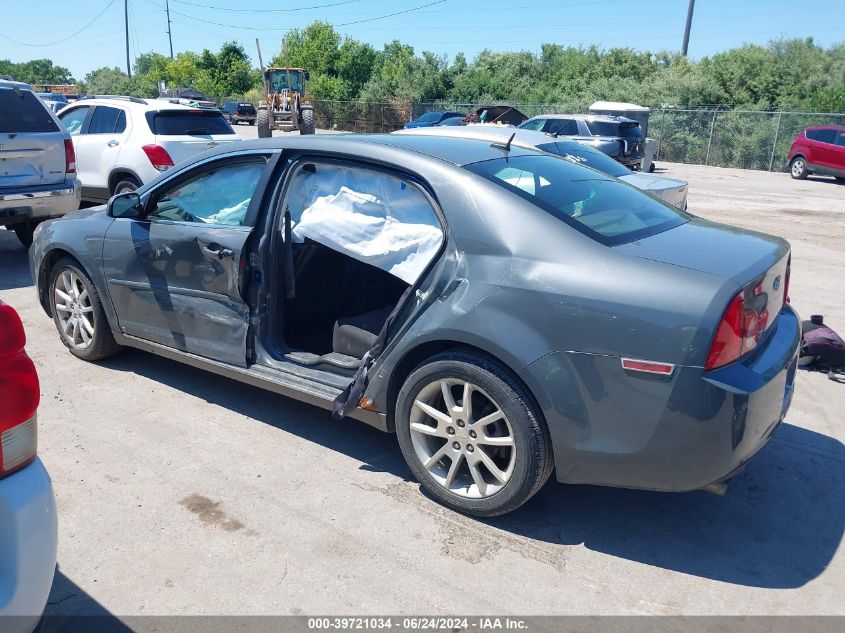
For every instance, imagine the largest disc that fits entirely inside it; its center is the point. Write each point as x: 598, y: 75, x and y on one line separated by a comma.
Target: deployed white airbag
x: 373, y: 217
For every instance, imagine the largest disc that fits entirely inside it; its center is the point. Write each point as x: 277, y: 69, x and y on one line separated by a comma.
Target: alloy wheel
x: 463, y: 438
x: 74, y: 310
x: 797, y: 168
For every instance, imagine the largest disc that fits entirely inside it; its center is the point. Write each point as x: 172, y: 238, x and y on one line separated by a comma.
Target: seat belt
x: 290, y: 274
x: 347, y: 401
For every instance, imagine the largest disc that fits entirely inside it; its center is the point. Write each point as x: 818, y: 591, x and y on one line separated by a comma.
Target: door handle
x: 216, y: 249
x: 113, y: 143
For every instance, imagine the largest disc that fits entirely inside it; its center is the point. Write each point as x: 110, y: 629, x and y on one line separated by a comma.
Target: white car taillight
x: 19, y: 395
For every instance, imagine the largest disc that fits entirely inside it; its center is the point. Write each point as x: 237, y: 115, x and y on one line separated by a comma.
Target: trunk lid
x: 757, y: 262
x: 32, y: 151
x: 710, y: 247
x: 184, y: 133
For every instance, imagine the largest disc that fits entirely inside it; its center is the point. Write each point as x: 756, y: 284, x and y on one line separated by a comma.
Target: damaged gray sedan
x: 507, y: 313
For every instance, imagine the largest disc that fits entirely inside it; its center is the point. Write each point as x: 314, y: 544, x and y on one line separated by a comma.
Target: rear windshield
x: 430, y: 117
x: 188, y: 122
x: 247, y: 107
x: 605, y: 209
x: 610, y: 128
x: 24, y: 113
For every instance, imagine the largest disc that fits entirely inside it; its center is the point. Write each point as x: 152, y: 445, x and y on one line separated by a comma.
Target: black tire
x: 532, y: 462
x: 102, y: 343
x: 840, y: 179
x: 252, y: 122
x: 125, y: 184
x: 798, y: 168
x: 262, y: 120
x: 308, y: 125
x: 25, y: 232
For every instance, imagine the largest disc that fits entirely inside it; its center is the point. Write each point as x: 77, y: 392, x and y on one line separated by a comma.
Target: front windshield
x: 279, y: 81
x: 607, y: 210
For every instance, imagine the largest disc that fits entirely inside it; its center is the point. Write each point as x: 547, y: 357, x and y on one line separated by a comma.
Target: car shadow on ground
x: 71, y: 609
x: 778, y: 526
x: 14, y: 265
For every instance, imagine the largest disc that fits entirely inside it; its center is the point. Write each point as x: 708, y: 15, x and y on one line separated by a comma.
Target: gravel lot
x: 180, y: 492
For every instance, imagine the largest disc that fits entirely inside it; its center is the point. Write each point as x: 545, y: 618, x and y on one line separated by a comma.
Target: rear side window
x: 188, y: 123
x: 24, y: 113
x: 840, y: 139
x: 605, y: 209
x: 107, y: 121
x: 561, y: 127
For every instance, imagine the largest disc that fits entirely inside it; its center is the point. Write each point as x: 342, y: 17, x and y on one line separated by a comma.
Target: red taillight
x: 158, y: 156
x: 70, y: 157
x: 19, y: 395
x: 737, y: 333
x: 727, y: 343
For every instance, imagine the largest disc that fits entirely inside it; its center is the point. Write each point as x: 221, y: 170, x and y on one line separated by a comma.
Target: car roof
x: 7, y: 83
x: 457, y: 151
x: 825, y: 127
x: 146, y: 105
x: 607, y: 118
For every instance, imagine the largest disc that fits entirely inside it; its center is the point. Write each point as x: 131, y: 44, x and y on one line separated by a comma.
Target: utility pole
x: 686, y: 30
x: 126, y: 24
x: 169, y: 36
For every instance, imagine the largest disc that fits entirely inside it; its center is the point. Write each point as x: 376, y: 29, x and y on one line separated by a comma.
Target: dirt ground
x: 180, y: 492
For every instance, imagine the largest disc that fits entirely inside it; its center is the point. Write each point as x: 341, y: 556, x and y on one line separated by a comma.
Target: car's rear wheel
x: 471, y: 434
x: 125, y: 184
x: 798, y: 168
x: 78, y: 313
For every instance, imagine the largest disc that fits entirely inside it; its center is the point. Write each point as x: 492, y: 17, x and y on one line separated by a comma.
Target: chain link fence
x: 747, y: 139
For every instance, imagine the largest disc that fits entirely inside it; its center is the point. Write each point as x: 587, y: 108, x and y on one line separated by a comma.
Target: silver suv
x: 617, y: 136
x: 37, y: 162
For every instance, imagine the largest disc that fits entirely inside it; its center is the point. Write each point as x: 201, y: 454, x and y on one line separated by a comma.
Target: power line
x: 69, y: 37
x: 390, y: 15
x: 285, y: 30
x: 231, y: 10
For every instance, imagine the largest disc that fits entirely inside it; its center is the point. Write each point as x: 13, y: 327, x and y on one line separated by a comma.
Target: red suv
x: 819, y: 150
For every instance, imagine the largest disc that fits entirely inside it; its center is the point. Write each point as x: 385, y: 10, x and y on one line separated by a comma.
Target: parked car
x: 667, y: 189
x: 818, y: 150
x: 495, y: 115
x: 619, y: 137
x: 427, y: 119
x: 54, y: 100
x: 37, y: 162
x: 28, y: 525
x: 239, y: 112
x: 505, y: 312
x: 124, y: 142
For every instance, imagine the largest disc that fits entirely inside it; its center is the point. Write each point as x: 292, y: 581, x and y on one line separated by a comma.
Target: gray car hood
x: 720, y: 249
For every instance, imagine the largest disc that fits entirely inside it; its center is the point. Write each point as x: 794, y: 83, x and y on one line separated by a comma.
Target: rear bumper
x: 28, y: 539
x: 39, y: 203
x: 618, y: 428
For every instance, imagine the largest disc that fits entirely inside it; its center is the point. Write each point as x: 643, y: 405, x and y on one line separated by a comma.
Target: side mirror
x: 125, y: 205
x: 307, y: 76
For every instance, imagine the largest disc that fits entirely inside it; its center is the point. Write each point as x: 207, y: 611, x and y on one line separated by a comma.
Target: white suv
x: 124, y: 142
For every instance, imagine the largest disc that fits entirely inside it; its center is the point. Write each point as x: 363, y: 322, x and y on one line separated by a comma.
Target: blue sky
x: 444, y: 27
